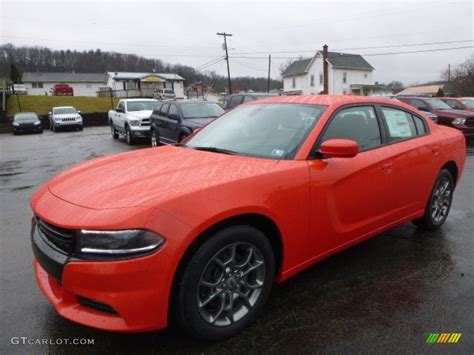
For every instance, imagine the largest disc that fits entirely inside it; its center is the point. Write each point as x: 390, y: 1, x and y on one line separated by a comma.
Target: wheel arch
x: 263, y: 223
x: 452, y: 167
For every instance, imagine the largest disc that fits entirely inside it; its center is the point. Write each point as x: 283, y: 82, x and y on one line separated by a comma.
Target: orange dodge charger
x: 198, y: 232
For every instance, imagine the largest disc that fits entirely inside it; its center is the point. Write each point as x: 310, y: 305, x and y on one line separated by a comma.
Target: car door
x: 173, y: 123
x: 119, y: 119
x: 413, y: 151
x: 351, y: 197
x: 162, y: 123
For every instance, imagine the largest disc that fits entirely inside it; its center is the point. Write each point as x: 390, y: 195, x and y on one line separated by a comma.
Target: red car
x: 198, y: 232
x: 459, y: 103
x: 62, y: 90
x: 459, y: 119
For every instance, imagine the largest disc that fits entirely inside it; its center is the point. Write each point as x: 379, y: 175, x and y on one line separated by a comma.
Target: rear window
x: 201, y: 110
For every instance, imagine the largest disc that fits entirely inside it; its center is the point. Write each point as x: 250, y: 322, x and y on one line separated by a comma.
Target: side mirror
x: 173, y: 116
x: 425, y: 109
x: 78, y: 111
x: 339, y: 148
x: 50, y: 113
x: 119, y: 110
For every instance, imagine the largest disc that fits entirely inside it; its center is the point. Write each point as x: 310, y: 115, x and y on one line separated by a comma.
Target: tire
x: 155, y: 138
x: 81, y: 128
x: 53, y: 128
x: 212, y: 263
x: 439, y: 203
x: 128, y: 135
x: 41, y: 131
x: 114, y: 132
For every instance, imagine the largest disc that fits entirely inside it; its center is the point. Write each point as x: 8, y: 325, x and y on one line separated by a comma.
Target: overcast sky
x: 185, y: 32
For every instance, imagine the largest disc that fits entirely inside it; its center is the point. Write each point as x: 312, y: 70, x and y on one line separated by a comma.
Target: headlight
x: 37, y: 123
x: 134, y: 123
x: 459, y: 121
x: 79, y: 118
x: 117, y: 244
x: 16, y: 124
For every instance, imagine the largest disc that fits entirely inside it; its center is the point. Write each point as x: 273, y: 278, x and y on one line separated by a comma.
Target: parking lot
x: 386, y: 294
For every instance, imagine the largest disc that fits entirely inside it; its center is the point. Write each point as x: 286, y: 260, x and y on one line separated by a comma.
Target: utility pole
x: 226, y: 56
x: 449, y: 73
x: 269, y: 67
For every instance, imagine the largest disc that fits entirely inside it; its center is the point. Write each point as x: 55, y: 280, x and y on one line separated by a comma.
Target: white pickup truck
x: 132, y: 118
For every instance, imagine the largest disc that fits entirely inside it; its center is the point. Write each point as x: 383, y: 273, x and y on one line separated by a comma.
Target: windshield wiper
x: 215, y: 150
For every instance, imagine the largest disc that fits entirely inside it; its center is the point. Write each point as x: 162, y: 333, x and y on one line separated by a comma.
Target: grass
x: 41, y: 105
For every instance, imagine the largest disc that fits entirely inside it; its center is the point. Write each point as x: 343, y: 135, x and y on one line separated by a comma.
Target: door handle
x: 387, y: 168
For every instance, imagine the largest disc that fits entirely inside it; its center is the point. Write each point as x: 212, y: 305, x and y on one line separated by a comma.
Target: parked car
x: 164, y: 94
x: 234, y: 100
x: 62, y: 90
x: 459, y: 103
x: 25, y: 122
x: 459, y: 119
x: 171, y: 122
x: 132, y: 118
x: 19, y: 89
x: 65, y: 117
x: 199, y: 232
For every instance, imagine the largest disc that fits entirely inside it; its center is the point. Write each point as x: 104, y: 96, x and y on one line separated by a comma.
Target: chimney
x: 325, y: 69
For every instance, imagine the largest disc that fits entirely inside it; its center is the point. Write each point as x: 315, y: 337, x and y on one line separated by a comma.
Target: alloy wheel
x: 441, y: 200
x: 231, y: 284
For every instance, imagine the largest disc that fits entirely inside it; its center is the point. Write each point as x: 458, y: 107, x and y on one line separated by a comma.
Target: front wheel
x: 128, y: 136
x: 155, y: 138
x: 114, y: 132
x: 439, y: 204
x: 226, y: 283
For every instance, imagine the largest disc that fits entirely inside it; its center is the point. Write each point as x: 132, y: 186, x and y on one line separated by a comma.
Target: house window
x: 293, y: 83
x: 344, y: 92
x: 88, y: 86
x: 34, y: 85
x: 40, y: 85
x: 365, y: 75
x: 344, y: 78
x: 312, y: 80
x: 321, y: 79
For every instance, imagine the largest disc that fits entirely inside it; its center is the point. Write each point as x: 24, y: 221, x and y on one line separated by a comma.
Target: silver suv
x: 164, y: 94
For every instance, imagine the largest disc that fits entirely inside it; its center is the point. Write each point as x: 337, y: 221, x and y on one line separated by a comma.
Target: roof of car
x: 327, y: 100
x: 64, y: 107
x: 138, y: 100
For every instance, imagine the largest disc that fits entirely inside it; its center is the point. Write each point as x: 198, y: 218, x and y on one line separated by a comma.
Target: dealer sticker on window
x: 278, y: 152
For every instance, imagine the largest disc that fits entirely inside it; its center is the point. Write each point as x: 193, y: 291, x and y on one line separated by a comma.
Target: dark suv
x: 459, y: 119
x: 235, y: 100
x: 175, y: 120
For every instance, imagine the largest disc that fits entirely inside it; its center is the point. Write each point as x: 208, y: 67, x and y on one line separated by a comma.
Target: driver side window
x: 359, y: 124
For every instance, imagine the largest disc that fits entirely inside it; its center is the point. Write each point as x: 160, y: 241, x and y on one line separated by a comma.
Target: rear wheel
x: 439, y: 204
x: 114, y: 132
x: 226, y: 283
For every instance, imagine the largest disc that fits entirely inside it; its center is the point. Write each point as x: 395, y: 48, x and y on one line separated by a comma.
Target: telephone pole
x: 225, y: 35
x: 269, y: 67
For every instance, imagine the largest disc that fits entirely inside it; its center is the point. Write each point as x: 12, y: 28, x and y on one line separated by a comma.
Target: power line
x: 370, y: 54
x: 220, y: 56
x: 354, y: 48
x: 212, y: 64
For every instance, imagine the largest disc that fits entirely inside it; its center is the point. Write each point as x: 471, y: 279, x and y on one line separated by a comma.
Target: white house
x: 83, y: 84
x: 144, y: 84
x: 347, y: 74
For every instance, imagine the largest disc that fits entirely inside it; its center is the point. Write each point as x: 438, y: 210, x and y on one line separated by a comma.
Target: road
x: 384, y: 295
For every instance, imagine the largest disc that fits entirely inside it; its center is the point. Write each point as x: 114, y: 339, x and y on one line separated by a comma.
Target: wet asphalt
x: 384, y: 295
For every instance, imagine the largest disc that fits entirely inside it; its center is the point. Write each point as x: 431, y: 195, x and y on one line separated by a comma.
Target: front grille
x: 62, y: 239
x: 95, y: 304
x: 145, y: 122
x: 470, y: 121
x: 68, y: 119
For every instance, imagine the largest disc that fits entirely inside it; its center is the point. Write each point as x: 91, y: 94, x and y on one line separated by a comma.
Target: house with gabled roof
x: 83, y: 84
x: 347, y: 74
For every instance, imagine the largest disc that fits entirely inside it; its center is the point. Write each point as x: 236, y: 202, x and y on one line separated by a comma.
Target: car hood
x: 197, y: 122
x: 140, y: 114
x: 454, y: 113
x: 135, y: 178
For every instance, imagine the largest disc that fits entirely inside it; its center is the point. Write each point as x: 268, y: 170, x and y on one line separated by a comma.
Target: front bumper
x: 27, y: 129
x: 123, y: 296
x: 140, y: 131
x: 68, y: 123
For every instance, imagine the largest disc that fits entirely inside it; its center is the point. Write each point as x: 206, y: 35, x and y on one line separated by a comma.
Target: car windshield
x: 274, y: 131
x: 64, y: 110
x: 141, y: 105
x: 201, y: 110
x: 438, y: 104
x: 468, y: 102
x: 26, y: 116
